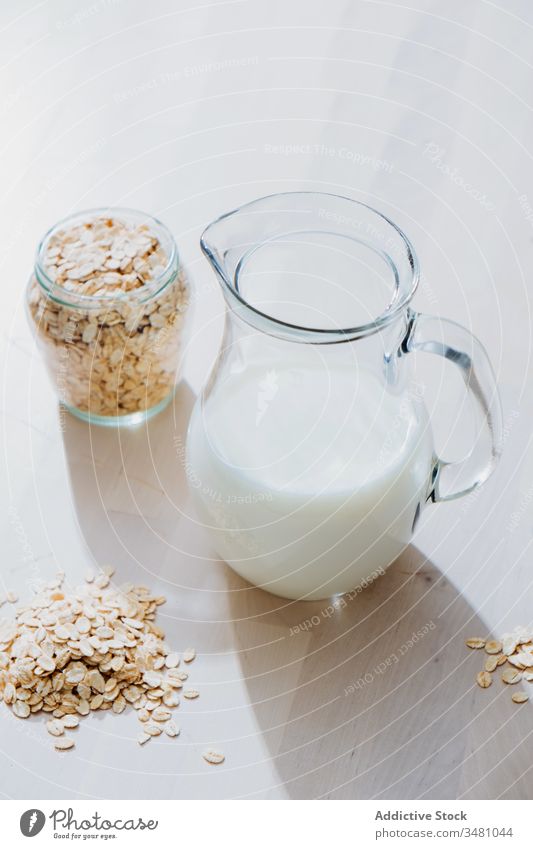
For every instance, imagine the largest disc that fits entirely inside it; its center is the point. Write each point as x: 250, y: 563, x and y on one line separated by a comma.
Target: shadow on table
x: 129, y: 485
x: 378, y: 698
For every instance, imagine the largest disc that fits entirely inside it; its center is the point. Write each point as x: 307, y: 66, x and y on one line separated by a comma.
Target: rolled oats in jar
x: 108, y: 300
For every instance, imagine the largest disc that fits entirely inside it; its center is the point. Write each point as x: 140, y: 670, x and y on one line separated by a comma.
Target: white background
x: 186, y: 110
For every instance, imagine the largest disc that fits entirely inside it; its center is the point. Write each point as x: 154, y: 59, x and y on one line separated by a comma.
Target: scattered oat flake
x: 174, y: 675
x: 12, y: 597
x: 119, y: 704
x: 520, y: 698
x: 153, y: 679
x: 511, y: 676
x: 213, y: 757
x: 520, y: 660
x: 171, y: 729
x: 491, y: 663
x: 47, y: 663
x: 493, y: 647
x: 509, y: 644
x: 475, y: 643
x: 190, y: 694
x: 161, y: 714
x: 525, y: 658
x: 143, y: 738
x: 10, y: 693
x: 189, y: 655
x: 484, y: 679
x: 83, y: 625
x: 64, y: 743
x: 152, y: 728
x: 21, y: 709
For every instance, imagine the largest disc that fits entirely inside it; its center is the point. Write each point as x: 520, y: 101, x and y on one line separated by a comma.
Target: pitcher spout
x: 229, y: 239
x: 218, y: 243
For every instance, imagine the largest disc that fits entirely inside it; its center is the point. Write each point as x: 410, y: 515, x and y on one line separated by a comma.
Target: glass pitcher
x: 310, y: 452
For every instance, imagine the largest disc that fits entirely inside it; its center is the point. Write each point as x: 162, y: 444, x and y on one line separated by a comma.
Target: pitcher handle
x: 459, y: 346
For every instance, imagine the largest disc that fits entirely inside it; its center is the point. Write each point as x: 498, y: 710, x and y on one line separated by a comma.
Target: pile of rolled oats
x: 514, y: 652
x: 96, y: 647
x: 109, y: 317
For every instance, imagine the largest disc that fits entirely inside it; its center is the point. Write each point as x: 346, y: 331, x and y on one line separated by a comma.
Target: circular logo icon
x: 32, y: 822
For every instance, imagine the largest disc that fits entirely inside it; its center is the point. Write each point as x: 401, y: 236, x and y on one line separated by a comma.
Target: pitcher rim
x: 314, y: 335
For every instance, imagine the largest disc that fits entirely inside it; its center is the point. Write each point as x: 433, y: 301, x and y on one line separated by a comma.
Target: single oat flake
x: 64, y: 743
x: 511, y: 676
x: 491, y: 663
x: 484, y: 679
x: 519, y: 698
x: 213, y: 757
x: 190, y: 694
x: 475, y: 643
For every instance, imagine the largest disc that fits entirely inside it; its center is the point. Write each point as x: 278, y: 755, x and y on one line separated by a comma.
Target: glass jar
x: 108, y: 300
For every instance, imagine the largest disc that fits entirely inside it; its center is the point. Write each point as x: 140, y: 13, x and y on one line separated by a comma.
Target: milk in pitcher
x: 316, y: 484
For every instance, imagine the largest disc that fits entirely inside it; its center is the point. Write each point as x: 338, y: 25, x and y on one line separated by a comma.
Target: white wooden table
x: 187, y: 110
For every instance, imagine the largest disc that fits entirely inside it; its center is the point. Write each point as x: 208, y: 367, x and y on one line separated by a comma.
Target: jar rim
x: 70, y: 298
